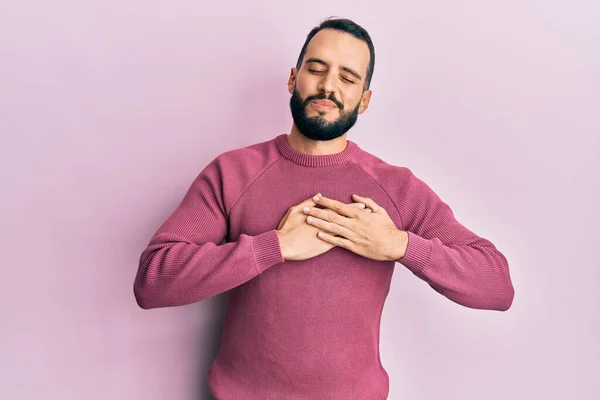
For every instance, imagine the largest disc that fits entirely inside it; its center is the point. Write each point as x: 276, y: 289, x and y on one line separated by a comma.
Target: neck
x: 302, y: 144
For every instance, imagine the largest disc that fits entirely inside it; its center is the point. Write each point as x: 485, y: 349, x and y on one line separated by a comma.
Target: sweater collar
x: 309, y: 160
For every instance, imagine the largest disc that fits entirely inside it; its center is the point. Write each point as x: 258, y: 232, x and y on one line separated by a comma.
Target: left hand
x: 369, y: 234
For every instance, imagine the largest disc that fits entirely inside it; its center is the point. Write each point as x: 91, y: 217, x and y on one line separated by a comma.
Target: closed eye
x: 345, y: 79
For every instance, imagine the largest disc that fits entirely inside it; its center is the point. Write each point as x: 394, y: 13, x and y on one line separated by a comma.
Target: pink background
x: 109, y: 109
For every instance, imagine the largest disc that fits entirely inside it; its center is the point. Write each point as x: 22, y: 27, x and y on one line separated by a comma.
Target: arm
x: 185, y: 262
x: 454, y: 261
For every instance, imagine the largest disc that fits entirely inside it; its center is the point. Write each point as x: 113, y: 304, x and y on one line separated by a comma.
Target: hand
x: 298, y: 240
x: 373, y: 235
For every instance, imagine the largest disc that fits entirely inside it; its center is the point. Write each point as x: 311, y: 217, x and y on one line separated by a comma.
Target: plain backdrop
x: 109, y: 109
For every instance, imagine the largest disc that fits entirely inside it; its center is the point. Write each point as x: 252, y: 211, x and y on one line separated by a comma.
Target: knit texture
x: 306, y: 329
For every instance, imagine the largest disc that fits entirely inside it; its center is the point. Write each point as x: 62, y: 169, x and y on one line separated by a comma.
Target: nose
x: 327, y: 84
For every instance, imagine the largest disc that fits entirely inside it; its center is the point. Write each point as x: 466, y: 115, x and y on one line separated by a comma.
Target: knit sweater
x: 306, y: 329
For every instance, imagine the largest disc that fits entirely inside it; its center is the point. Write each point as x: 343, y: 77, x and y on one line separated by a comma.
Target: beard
x: 318, y: 128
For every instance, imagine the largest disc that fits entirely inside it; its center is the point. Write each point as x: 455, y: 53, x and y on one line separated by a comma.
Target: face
x: 328, y: 89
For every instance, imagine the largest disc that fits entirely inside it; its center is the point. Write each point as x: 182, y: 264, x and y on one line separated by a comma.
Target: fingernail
x: 309, y: 220
x: 361, y: 205
x: 306, y: 209
x: 316, y: 198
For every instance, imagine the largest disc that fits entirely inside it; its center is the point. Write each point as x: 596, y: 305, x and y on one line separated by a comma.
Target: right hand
x: 298, y: 239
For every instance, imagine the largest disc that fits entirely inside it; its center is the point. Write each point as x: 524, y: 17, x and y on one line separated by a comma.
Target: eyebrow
x: 322, y: 62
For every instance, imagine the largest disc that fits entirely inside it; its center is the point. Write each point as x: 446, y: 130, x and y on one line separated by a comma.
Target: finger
x: 336, y: 240
x: 310, y: 202
x: 376, y: 208
x: 332, y: 227
x: 361, y: 206
x: 337, y: 206
x: 329, y: 216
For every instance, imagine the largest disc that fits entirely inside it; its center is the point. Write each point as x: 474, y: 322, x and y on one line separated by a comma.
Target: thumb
x: 305, y: 203
x: 310, y: 201
x: 369, y: 203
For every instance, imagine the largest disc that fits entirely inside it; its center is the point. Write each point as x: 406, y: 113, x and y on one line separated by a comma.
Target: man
x: 308, y: 276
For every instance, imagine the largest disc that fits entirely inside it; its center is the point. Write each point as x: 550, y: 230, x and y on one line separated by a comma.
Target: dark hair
x: 348, y: 26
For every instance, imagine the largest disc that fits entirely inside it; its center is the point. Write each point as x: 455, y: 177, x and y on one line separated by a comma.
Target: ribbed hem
x: 418, y: 254
x: 266, y: 249
x: 309, y: 160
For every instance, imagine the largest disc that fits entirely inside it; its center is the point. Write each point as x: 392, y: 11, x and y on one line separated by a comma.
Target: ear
x: 364, y: 101
x: 292, y: 80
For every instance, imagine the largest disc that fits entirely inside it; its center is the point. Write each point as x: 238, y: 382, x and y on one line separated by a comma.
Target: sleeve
x: 465, y: 268
x: 186, y: 261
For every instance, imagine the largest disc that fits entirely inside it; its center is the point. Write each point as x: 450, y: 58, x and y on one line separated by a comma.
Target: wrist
x: 402, y: 244
x: 283, y: 247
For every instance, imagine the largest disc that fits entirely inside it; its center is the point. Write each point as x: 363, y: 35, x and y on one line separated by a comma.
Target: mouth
x: 323, y: 104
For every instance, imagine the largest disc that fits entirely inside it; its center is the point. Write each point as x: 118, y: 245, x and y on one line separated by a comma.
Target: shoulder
x: 399, y: 182
x: 248, y: 162
x: 253, y: 153
x: 237, y: 169
x: 383, y: 172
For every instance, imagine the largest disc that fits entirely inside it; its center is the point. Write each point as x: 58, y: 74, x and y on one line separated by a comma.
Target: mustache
x: 321, y: 96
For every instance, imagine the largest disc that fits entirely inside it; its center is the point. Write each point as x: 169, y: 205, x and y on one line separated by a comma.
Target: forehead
x: 339, y: 48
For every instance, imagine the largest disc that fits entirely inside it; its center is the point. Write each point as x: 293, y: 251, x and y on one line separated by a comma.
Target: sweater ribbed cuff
x: 266, y: 249
x: 418, y: 254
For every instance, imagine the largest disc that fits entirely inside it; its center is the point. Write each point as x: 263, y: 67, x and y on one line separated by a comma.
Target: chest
x: 266, y: 201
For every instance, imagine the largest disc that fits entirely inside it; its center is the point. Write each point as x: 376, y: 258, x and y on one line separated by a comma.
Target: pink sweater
x: 306, y: 329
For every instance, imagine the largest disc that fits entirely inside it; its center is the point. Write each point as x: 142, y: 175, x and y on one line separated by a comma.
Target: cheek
x: 350, y: 101
x: 304, y: 85
x: 355, y: 97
